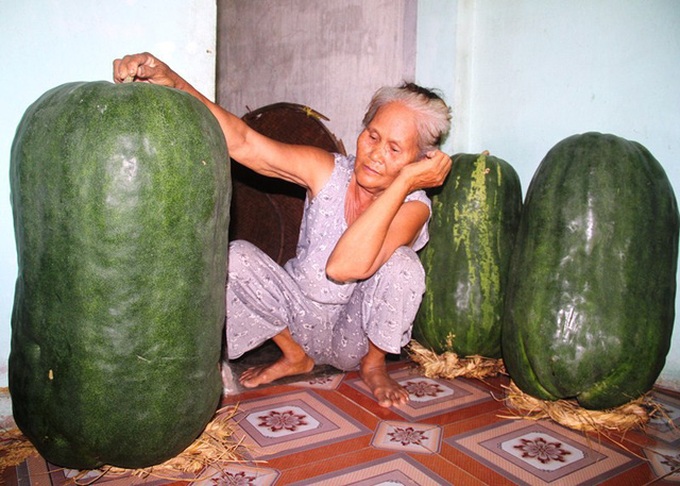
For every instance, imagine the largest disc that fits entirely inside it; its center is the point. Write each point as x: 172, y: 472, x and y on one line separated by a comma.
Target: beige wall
x: 330, y: 55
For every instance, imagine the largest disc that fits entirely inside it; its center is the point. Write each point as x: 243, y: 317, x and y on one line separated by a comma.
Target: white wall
x: 46, y: 43
x: 436, y: 59
x: 529, y: 73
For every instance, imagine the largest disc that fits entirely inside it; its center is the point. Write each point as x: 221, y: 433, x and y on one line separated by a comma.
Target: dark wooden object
x: 266, y: 211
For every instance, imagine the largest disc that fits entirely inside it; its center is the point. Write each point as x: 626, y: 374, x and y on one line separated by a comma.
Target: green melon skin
x: 120, y: 197
x: 591, y: 297
x: 472, y: 232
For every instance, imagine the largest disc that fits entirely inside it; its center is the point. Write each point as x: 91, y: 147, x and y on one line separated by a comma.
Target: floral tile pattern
x: 429, y: 397
x: 398, y: 469
x: 326, y: 428
x: 665, y: 463
x: 322, y: 382
x: 292, y: 422
x: 665, y: 426
x: 542, y: 451
x: 407, y: 437
x: 532, y: 453
x: 240, y: 475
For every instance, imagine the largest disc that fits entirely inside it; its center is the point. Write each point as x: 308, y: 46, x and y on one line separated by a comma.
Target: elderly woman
x: 350, y: 294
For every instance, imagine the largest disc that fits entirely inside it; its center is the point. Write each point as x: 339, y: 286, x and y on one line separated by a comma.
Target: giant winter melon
x: 120, y: 196
x: 591, y: 296
x: 472, y: 233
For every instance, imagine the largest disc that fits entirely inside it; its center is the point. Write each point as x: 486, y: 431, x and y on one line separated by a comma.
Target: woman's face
x: 385, y: 146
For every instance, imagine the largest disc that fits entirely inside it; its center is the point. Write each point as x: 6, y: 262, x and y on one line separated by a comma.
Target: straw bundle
x: 215, y: 448
x: 449, y: 366
x: 568, y: 413
x: 14, y: 448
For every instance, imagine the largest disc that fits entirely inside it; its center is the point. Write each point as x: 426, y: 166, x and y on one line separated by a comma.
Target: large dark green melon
x: 591, y: 297
x: 475, y: 218
x: 120, y: 196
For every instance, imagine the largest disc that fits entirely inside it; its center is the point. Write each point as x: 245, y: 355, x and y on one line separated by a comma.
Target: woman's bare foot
x: 260, y: 375
x: 294, y: 361
x: 374, y: 373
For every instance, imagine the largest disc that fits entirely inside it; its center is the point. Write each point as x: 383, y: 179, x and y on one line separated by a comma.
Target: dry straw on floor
x: 215, y: 448
x: 14, y: 448
x: 634, y: 414
x: 449, y: 365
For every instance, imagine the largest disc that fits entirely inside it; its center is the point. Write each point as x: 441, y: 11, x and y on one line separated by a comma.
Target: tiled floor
x: 328, y: 430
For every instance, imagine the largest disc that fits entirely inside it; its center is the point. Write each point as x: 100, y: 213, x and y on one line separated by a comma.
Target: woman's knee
x: 242, y: 255
x: 240, y: 248
x: 404, y: 266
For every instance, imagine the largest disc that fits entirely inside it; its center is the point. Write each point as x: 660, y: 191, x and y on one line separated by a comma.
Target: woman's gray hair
x: 434, y: 116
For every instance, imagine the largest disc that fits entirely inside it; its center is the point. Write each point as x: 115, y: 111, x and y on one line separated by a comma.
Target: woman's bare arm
x: 387, y: 223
